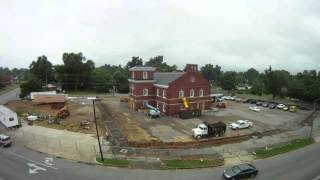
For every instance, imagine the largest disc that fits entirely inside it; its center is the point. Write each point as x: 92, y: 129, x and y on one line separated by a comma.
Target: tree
x: 250, y: 75
x: 1, y: 82
x: 162, y: 66
x: 229, y: 80
x: 32, y: 84
x: 75, y: 72
x: 102, y: 80
x: 212, y: 73
x: 121, y: 82
x: 257, y: 87
x: 276, y: 81
x: 135, y: 61
x: 42, y: 69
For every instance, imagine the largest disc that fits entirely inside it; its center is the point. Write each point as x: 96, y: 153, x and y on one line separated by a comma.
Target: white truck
x: 241, y: 124
x: 206, y: 129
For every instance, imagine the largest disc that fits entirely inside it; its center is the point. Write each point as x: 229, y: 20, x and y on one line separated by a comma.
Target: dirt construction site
x: 81, y: 110
x: 139, y: 130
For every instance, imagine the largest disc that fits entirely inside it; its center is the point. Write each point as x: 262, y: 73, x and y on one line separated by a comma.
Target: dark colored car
x: 258, y: 103
x: 252, y: 101
x: 246, y: 101
x: 240, y: 172
x: 272, y: 106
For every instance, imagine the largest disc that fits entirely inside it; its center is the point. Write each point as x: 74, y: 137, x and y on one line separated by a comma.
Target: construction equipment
x: 62, y: 113
x: 187, y: 112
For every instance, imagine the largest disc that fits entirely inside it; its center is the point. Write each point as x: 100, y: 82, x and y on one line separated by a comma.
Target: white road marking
x: 33, y: 169
x: 25, y: 158
x: 48, y: 161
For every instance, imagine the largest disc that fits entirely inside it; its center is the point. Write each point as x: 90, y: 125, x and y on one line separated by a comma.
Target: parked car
x: 286, y: 108
x: 246, y: 100
x: 5, y: 140
x: 240, y: 171
x: 258, y: 103
x: 272, y: 106
x: 241, y: 124
x: 254, y: 108
x: 252, y: 101
x: 265, y: 105
x: 280, y: 106
x: 293, y: 109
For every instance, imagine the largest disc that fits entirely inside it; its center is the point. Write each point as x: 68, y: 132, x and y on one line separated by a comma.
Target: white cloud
x: 236, y: 35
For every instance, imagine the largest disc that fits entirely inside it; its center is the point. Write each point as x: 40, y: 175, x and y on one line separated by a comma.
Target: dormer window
x: 181, y: 93
x: 192, y: 79
x: 145, y: 75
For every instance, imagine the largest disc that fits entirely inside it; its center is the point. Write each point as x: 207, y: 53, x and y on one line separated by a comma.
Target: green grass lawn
x: 8, y: 88
x: 114, y: 162
x: 188, y: 164
x: 280, y: 149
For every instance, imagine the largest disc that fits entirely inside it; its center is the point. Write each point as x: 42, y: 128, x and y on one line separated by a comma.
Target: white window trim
x: 182, y: 93
x: 157, y: 104
x: 191, y: 92
x: 132, y: 74
x: 145, y: 90
x: 164, y: 93
x: 163, y: 107
x: 201, y: 92
x: 157, y: 91
x: 145, y: 74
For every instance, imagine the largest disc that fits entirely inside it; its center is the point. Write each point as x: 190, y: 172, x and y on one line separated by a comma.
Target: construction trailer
x: 7, y: 117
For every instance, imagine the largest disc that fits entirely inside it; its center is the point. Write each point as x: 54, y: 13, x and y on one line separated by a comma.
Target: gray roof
x: 164, y: 78
x: 142, y: 68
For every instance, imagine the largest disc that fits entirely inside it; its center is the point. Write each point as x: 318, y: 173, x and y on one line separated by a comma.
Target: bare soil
x: 79, y: 110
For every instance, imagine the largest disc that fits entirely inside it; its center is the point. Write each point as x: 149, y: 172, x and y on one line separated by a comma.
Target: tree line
x: 79, y: 73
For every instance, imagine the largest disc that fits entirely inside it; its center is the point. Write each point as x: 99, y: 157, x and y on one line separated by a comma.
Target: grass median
x: 113, y: 162
x: 280, y: 149
x: 189, y: 164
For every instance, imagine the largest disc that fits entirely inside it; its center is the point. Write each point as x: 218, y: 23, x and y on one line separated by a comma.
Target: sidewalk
x: 65, y: 144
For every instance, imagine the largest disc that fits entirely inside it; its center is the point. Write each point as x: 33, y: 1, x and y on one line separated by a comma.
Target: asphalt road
x: 19, y: 163
x: 11, y: 95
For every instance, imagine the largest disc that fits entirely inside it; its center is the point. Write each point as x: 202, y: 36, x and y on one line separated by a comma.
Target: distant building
x: 8, y: 79
x: 165, y: 90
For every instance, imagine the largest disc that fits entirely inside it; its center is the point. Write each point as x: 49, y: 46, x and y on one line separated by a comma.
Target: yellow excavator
x: 187, y: 112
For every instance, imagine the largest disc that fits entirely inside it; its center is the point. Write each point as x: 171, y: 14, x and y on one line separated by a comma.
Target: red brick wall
x: 138, y: 75
x: 173, y: 104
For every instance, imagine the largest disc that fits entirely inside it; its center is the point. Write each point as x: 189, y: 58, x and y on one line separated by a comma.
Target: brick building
x: 165, y: 90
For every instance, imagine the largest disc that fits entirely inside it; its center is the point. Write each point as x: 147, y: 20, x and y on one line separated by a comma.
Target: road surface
x: 18, y: 163
x: 11, y: 95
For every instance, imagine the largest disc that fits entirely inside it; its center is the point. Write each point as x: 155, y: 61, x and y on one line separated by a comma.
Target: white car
x: 281, y: 106
x: 241, y: 124
x: 254, y: 108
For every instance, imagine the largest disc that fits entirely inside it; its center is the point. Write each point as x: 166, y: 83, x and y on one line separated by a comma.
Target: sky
x: 235, y: 35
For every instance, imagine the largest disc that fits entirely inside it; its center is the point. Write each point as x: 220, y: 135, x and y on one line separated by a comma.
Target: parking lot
x: 174, y: 129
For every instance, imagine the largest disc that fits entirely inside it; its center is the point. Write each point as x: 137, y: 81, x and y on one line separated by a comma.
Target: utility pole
x: 95, y: 120
x: 314, y: 112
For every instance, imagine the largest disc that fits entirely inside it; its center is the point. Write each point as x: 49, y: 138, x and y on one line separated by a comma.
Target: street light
x: 95, y: 120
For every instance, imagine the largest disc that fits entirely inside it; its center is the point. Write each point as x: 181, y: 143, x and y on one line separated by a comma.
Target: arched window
x: 201, y: 92
x: 145, y: 92
x: 191, y: 93
x: 181, y: 93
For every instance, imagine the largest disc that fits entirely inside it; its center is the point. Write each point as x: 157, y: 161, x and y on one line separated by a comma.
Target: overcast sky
x: 236, y: 34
